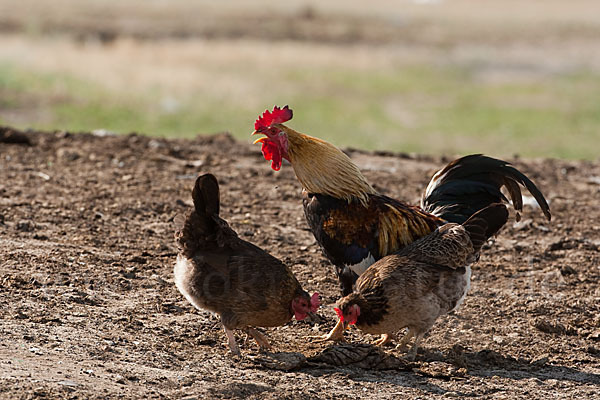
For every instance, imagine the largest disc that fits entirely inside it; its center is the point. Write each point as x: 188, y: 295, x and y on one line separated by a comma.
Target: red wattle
x: 271, y: 152
x: 339, y: 314
x: 299, y: 316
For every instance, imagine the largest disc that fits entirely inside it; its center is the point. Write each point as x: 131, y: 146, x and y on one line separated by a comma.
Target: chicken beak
x: 259, y: 140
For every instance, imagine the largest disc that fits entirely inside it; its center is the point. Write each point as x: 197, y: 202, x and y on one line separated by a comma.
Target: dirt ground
x: 89, y: 308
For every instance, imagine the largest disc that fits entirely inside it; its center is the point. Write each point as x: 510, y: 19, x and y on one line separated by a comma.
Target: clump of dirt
x: 90, y: 309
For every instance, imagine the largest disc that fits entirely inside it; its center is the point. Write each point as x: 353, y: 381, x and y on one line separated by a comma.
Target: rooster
x: 424, y: 280
x: 353, y: 223
x: 219, y: 272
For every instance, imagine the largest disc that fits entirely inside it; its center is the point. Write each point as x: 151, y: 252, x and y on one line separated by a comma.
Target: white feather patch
x: 432, y: 185
x: 363, y: 265
x: 183, y: 271
x: 467, y: 278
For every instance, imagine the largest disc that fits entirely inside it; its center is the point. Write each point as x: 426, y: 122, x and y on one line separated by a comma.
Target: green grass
x: 403, y: 108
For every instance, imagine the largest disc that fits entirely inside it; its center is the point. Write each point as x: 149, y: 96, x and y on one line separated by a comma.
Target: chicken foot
x: 235, y: 350
x: 412, y: 354
x: 385, y: 339
x: 336, y: 334
x: 402, y: 346
x: 261, y: 339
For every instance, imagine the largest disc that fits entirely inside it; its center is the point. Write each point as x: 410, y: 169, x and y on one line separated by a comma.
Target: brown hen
x: 219, y: 272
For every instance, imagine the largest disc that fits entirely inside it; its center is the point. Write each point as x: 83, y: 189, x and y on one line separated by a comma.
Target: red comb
x: 277, y: 116
x: 339, y: 313
x: 315, y: 302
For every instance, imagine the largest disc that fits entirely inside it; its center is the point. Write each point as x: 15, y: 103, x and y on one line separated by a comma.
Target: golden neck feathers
x: 323, y: 168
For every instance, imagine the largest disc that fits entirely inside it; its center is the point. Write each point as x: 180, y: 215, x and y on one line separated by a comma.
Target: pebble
x: 25, y: 226
x: 451, y: 394
x: 68, y: 383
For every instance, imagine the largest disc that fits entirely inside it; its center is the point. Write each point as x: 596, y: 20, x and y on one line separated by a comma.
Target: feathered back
x: 471, y: 183
x: 485, y: 223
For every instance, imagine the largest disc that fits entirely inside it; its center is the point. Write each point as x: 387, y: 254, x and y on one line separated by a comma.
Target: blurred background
x: 502, y: 77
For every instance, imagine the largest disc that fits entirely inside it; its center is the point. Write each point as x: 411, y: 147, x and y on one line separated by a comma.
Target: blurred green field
x: 501, y: 96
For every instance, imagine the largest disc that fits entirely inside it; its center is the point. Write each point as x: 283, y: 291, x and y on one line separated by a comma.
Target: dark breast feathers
x: 353, y: 237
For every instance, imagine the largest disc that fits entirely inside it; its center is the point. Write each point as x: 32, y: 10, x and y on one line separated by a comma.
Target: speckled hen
x: 426, y: 279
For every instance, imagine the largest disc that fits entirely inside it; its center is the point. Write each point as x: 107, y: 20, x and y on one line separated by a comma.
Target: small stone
x: 68, y: 154
x: 102, y: 133
x: 138, y: 259
x: 567, y: 270
x: 25, y: 226
x: 158, y: 279
x: 42, y: 175
x: 68, y: 383
x: 594, y: 335
x: 129, y: 273
x: 451, y: 394
x: 541, y: 361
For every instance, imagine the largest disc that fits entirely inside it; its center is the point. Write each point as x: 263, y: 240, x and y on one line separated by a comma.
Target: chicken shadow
x: 368, y: 363
x: 365, y: 362
x: 486, y: 363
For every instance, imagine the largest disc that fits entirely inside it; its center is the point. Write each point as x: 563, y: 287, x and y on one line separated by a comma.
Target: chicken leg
x: 261, y: 339
x: 235, y: 350
x: 412, y: 354
x: 402, y: 346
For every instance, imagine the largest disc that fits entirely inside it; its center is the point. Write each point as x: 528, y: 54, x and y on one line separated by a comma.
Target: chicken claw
x: 403, y: 345
x: 261, y: 339
x: 336, y: 334
x: 386, y: 338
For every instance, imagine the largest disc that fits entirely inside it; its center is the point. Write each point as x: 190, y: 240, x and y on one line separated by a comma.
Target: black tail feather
x: 206, y: 195
x: 485, y: 223
x: 203, y: 224
x: 471, y: 183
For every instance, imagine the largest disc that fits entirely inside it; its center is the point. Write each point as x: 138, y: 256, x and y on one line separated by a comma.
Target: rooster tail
x: 471, y: 183
x: 485, y: 223
x: 202, y: 223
